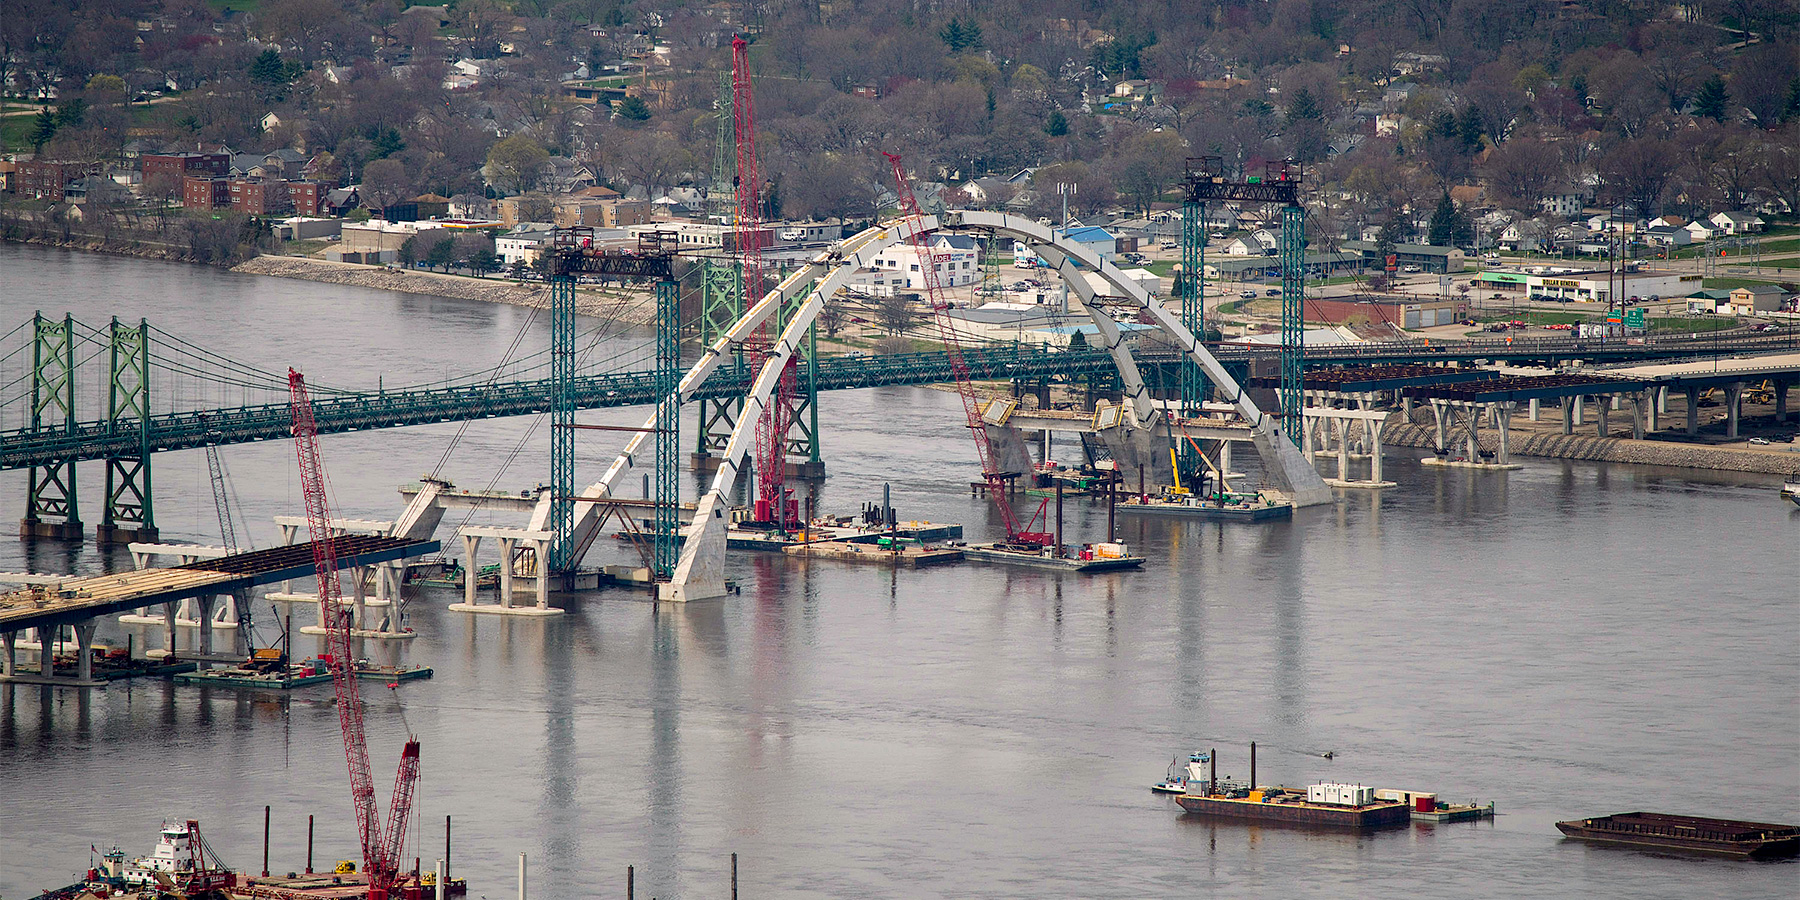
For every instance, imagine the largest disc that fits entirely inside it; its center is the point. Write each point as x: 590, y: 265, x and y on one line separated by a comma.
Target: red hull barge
x: 1745, y: 840
x: 1293, y: 812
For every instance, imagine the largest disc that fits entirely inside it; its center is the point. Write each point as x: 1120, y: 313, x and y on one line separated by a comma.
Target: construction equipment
x: 381, y: 850
x: 965, y: 387
x: 772, y: 502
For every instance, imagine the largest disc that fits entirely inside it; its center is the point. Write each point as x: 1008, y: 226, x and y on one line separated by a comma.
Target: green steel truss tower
x: 129, y: 514
x: 667, y: 539
x: 562, y: 419
x: 1293, y: 317
x: 724, y: 197
x: 51, y: 488
x: 1278, y: 186
x: 720, y: 306
x: 1192, y: 291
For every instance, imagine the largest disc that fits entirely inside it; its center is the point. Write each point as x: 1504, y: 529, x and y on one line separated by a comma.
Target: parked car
x: 1761, y: 442
x: 1273, y: 292
x: 1411, y: 269
x: 1248, y: 295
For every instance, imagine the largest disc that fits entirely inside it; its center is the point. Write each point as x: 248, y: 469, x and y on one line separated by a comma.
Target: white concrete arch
x: 700, y: 573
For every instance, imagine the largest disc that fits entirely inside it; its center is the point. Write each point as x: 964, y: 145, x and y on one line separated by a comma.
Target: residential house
x: 1709, y: 302
x: 1699, y: 230
x: 1757, y: 298
x: 269, y: 122
x: 1563, y: 202
x: 339, y: 201
x: 1667, y: 236
x: 1526, y: 235
x: 1261, y: 242
x: 1737, y: 222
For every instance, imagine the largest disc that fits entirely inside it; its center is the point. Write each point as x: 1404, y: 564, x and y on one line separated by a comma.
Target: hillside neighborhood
x: 460, y: 136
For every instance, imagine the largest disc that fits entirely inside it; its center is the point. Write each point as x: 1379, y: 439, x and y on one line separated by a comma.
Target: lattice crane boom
x: 965, y: 386
x: 772, y: 426
x: 381, y: 853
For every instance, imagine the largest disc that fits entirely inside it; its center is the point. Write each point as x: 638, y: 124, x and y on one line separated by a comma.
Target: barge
x: 1328, y: 805
x: 1790, y: 491
x: 881, y: 553
x: 1222, y: 506
x: 1744, y: 840
x: 1090, y: 558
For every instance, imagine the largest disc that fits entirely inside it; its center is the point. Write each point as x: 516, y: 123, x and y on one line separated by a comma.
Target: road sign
x: 1634, y: 318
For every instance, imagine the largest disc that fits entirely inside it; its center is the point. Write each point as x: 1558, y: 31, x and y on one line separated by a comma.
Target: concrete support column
x: 359, y: 596
x: 84, y: 651
x: 206, y: 608
x: 471, y: 547
x: 1603, y: 408
x: 1568, y: 415
x: 1693, y: 410
x: 1734, y: 397
x: 9, y: 649
x: 1504, y: 456
x: 1225, y: 457
x: 1474, y: 422
x: 1439, y: 414
x: 1615, y: 402
x: 1343, y: 449
x: 1662, y: 399
x: 169, y: 625
x: 1534, y: 409
x: 1406, y: 407
x: 1375, y: 428
x: 506, y: 571
x: 541, y: 549
x: 47, y: 651
x: 1306, y: 438
x: 1580, y: 404
x: 1648, y: 402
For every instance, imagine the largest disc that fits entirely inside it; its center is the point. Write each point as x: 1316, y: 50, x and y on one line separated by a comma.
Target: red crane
x: 772, y: 426
x: 381, y: 852
x: 965, y: 387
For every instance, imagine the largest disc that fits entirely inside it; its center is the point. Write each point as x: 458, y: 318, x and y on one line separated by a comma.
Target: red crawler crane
x: 772, y: 426
x: 381, y: 852
x: 965, y: 387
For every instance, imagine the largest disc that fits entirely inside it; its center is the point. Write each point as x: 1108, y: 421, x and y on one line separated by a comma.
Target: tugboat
x: 182, y: 863
x: 1176, y: 781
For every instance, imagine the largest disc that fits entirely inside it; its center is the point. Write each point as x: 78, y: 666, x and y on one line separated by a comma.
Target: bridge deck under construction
x: 83, y: 597
x: 1524, y: 387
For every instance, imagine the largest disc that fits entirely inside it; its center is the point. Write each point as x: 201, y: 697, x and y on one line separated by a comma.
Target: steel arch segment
x: 700, y: 571
x: 1140, y: 406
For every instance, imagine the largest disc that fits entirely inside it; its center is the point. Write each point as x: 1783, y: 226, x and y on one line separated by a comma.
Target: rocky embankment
x: 637, y: 308
x: 1618, y: 450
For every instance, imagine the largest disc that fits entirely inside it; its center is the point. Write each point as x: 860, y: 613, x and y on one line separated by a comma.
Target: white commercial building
x: 897, y: 268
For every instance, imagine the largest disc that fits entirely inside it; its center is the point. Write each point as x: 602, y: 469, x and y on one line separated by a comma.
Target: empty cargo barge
x: 1747, y: 840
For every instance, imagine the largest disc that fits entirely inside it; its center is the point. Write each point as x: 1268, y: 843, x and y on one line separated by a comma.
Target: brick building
x: 306, y: 197
x: 181, y: 165
x: 45, y: 179
x: 205, y: 192
x: 259, y: 197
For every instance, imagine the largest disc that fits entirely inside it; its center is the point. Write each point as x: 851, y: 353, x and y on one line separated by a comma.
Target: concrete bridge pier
x: 1601, y: 408
x: 1734, y: 398
x: 1532, y: 410
x: 509, y: 539
x: 1781, y: 410
x: 1693, y: 410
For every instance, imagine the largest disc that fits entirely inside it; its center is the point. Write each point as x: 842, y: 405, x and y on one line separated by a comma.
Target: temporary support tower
x: 667, y: 540
x: 1192, y: 291
x: 381, y: 850
x: 562, y: 418
x: 1279, y: 185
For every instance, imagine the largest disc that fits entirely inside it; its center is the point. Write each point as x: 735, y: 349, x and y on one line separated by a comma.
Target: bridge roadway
x: 20, y: 448
x: 80, y: 598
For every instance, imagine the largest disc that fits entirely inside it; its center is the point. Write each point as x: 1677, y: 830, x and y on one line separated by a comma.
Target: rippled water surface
x: 1569, y: 639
